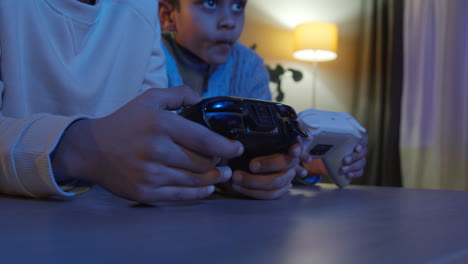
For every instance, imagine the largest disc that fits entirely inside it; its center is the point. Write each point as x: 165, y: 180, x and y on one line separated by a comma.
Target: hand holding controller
x: 335, y: 134
x: 263, y: 127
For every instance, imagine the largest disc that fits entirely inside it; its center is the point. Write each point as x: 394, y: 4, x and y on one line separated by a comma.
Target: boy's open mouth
x: 224, y: 42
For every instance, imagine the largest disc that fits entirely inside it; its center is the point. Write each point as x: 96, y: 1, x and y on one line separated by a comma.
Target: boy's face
x: 209, y: 28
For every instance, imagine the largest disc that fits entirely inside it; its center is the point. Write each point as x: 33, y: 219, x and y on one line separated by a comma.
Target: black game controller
x: 263, y: 127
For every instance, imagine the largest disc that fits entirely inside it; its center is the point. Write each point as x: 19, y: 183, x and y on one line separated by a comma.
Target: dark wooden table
x: 321, y: 224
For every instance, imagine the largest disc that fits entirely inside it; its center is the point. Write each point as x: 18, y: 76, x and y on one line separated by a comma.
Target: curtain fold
x: 434, y: 131
x: 376, y: 102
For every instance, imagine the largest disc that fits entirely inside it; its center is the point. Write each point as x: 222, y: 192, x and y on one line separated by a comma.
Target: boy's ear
x: 166, y: 11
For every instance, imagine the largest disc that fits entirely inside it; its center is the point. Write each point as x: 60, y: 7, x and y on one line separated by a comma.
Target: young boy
x: 202, y: 52
x: 203, y: 48
x: 78, y: 105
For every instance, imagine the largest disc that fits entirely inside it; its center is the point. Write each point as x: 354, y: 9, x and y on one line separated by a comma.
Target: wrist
x: 70, y: 160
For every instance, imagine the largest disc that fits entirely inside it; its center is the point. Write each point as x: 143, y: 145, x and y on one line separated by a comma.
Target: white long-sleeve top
x: 61, y: 60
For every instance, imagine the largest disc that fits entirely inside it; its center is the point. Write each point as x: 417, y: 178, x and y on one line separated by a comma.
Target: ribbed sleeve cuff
x: 32, y: 156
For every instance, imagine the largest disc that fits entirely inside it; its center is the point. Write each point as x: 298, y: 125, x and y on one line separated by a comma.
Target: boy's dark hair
x: 174, y: 3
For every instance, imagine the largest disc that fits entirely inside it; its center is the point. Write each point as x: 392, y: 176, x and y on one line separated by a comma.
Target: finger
x: 362, y: 144
x: 266, y: 182
x: 173, y: 193
x: 200, y: 139
x: 364, y: 139
x: 158, y: 176
x: 305, y: 155
x: 301, y: 171
x: 166, y: 152
x: 276, y: 162
x: 355, y: 174
x: 353, y: 157
x: 354, y: 166
x: 173, y: 98
x: 261, y: 194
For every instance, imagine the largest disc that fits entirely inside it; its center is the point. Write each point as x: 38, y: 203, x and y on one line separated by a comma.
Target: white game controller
x: 335, y: 135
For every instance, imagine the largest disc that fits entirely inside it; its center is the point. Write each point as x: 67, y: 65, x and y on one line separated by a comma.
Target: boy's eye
x: 238, y: 6
x: 209, y: 4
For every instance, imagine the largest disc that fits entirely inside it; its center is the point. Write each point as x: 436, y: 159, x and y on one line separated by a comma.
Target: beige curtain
x: 379, y: 71
x: 434, y: 121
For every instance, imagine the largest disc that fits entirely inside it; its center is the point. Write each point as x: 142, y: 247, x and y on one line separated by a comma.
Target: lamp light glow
x: 315, y: 41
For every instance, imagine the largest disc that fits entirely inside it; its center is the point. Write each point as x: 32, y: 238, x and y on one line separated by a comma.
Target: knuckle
x: 159, y: 120
x: 156, y: 151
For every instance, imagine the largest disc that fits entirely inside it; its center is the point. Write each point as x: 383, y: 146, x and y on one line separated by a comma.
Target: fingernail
x: 211, y: 189
x: 240, y: 150
x: 348, y: 160
x: 255, y: 166
x: 226, y: 172
x: 359, y: 148
x: 237, y: 177
x: 303, y: 173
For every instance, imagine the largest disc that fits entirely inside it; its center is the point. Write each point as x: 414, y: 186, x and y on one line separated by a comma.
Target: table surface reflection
x: 312, y: 224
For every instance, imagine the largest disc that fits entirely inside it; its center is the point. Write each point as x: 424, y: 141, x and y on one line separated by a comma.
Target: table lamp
x: 315, y: 42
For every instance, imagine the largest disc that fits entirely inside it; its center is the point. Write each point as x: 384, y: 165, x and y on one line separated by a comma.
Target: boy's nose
x: 227, y: 24
x: 227, y: 21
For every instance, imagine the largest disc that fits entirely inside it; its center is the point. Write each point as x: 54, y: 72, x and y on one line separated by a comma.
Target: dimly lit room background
x: 400, y: 70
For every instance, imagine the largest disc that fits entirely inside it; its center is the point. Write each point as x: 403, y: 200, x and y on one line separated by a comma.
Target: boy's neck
x: 194, y: 71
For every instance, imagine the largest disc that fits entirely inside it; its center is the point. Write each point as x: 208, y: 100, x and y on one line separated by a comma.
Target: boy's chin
x: 218, y: 54
x: 217, y: 60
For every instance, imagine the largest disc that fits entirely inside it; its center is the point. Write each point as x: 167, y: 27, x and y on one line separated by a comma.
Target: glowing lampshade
x: 315, y: 41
